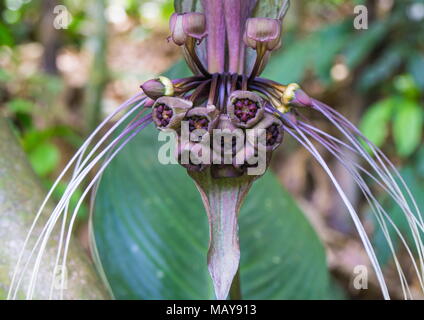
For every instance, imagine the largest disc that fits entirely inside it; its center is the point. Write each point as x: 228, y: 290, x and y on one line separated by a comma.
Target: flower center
x: 245, y: 109
x: 164, y: 114
x: 272, y: 133
x: 198, y: 122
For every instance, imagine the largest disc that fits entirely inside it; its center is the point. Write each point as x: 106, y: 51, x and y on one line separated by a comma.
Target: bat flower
x: 229, y: 121
x: 245, y: 108
x: 202, y: 118
x: 168, y: 112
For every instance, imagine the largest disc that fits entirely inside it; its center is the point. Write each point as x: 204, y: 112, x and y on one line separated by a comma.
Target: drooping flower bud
x: 250, y: 157
x: 159, y: 87
x: 294, y: 96
x: 193, y: 156
x: 169, y: 111
x: 263, y: 31
x: 273, y: 132
x: 227, y: 140
x: 187, y: 25
x: 245, y: 108
x: 228, y: 136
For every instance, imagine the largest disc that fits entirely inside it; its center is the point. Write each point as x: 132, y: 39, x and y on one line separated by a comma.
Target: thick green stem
x: 222, y: 199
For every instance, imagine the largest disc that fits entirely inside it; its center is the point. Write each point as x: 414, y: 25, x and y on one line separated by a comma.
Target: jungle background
x: 57, y: 84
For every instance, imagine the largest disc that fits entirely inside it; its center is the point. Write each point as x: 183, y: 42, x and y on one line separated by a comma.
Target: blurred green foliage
x: 403, y: 111
x: 35, y: 95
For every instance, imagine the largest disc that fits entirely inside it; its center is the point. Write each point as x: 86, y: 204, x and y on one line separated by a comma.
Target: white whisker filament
x: 15, y: 283
x: 353, y: 168
x: 304, y: 141
x: 386, y: 176
x: 62, y: 203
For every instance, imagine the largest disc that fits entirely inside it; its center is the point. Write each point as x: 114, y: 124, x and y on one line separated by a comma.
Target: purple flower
x: 187, y: 26
x: 202, y: 118
x: 263, y: 33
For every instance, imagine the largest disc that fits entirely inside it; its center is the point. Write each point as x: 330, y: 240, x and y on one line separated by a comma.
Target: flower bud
x: 245, y: 108
x: 159, y: 87
x: 273, y: 132
x: 263, y: 31
x: 169, y: 111
x: 294, y: 96
x: 187, y: 25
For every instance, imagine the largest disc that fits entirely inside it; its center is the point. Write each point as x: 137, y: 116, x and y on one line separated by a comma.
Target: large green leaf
x: 6, y: 37
x: 290, y: 63
x: 416, y: 67
x: 44, y: 158
x: 384, y: 67
x: 188, y: 6
x: 374, y: 123
x: 364, y: 42
x: 333, y: 38
x: 408, y: 127
x: 301, y: 54
x: 152, y: 234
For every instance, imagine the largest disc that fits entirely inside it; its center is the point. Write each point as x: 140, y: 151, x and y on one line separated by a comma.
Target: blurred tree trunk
x: 97, y: 43
x: 338, y: 219
x: 49, y: 36
x: 20, y: 197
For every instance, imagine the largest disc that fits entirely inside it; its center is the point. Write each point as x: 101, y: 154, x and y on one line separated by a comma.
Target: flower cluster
x: 231, y: 101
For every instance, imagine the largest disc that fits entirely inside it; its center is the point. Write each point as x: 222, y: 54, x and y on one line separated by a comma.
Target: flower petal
x: 214, y: 11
